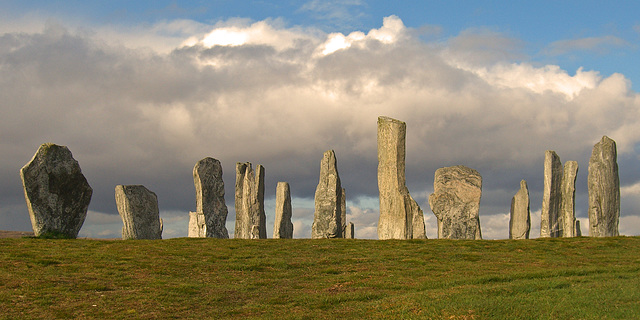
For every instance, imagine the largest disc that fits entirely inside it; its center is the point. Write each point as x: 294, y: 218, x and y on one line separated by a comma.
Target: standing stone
x: 328, y: 200
x: 282, y: 227
x: 56, y: 191
x: 207, y: 178
x: 456, y: 202
x: 250, y: 216
x: 604, y: 190
x: 551, y: 196
x: 138, y: 208
x: 400, y: 215
x: 197, y: 225
x: 568, y: 202
x: 343, y: 213
x: 520, y: 222
x: 350, y: 232
x: 578, y: 231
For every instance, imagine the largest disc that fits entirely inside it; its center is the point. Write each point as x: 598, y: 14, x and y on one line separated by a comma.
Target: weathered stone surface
x: 282, y: 227
x: 578, y: 231
x: 520, y: 222
x: 343, y: 213
x: 207, y: 178
x: 328, y: 200
x: 350, y: 232
x: 138, y: 208
x: 56, y: 191
x: 550, y: 218
x: 400, y: 215
x: 197, y: 225
x: 250, y: 216
x: 456, y: 202
x: 604, y: 189
x: 568, y: 202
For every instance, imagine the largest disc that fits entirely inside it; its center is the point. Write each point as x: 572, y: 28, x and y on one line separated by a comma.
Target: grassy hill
x: 576, y: 278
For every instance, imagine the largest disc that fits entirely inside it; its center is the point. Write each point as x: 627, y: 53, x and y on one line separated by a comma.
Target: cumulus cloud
x: 279, y: 96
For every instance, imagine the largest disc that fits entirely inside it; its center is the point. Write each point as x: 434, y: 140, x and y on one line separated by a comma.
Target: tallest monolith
x: 604, y: 189
x: 400, y: 215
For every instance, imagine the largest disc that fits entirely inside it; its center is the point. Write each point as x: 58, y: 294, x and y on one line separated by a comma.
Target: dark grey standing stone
x: 578, y: 231
x: 520, y: 222
x: 207, y: 178
x: 568, y: 202
x: 328, y: 200
x: 343, y: 212
x: 456, y: 202
x: 550, y: 218
x: 197, y: 225
x: 604, y: 189
x: 282, y: 227
x: 250, y: 216
x: 350, y: 232
x: 56, y: 192
x: 138, y: 208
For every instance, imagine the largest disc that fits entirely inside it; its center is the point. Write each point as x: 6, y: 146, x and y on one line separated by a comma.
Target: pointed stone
x: 350, y: 232
x: 197, y: 225
x: 568, y: 202
x: 400, y: 215
x: 207, y: 178
x: 604, y: 190
x: 551, y: 196
x: 250, y: 216
x: 456, y: 202
x: 56, y: 192
x: 328, y: 200
x: 138, y: 208
x: 282, y: 227
x: 520, y: 222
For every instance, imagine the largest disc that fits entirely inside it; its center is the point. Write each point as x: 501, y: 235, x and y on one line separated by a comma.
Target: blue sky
x: 141, y: 90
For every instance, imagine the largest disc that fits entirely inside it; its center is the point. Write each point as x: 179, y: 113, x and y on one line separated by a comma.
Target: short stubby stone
x: 138, y: 208
x: 197, y: 225
x: 568, y: 201
x: 520, y: 222
x: 56, y: 192
x: 604, y: 189
x: 207, y: 178
x: 328, y: 200
x: 550, y: 218
x: 350, y: 232
x: 456, y: 202
x: 250, y: 216
x: 282, y: 227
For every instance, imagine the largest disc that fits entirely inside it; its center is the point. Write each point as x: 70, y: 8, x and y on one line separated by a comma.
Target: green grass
x: 576, y: 278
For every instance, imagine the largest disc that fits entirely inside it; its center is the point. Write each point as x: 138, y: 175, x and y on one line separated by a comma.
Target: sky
x: 141, y: 90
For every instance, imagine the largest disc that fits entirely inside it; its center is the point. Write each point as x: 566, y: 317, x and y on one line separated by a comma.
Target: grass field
x: 575, y: 278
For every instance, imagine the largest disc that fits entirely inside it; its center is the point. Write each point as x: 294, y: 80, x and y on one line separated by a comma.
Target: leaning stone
x: 197, y: 225
x: 604, y: 190
x: 250, y: 216
x: 568, y: 201
x: 282, y: 227
x: 56, y: 192
x: 138, y: 208
x: 207, y: 178
x: 520, y: 222
x: 400, y: 215
x: 350, y: 232
x: 551, y: 196
x: 328, y: 200
x: 456, y: 202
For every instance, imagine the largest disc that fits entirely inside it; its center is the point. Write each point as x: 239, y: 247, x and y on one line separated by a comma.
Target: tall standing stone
x: 456, y: 202
x: 400, y: 215
x: 604, y: 189
x: 520, y: 222
x: 138, y: 208
x: 197, y: 225
x: 207, y: 178
x: 250, y: 216
x: 328, y: 200
x: 56, y: 191
x: 282, y: 227
x: 343, y: 212
x: 568, y: 202
x: 551, y: 196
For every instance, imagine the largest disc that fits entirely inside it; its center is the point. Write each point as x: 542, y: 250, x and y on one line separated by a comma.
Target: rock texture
x: 56, y: 191
x: 604, y: 190
x: 578, y: 231
x: 350, y: 232
x: 282, y: 227
x: 138, y: 208
x: 520, y: 222
x: 197, y: 225
x: 327, y: 218
x: 343, y: 213
x: 250, y: 216
x: 568, y: 202
x: 207, y: 178
x: 400, y: 215
x: 551, y: 196
x: 456, y: 202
